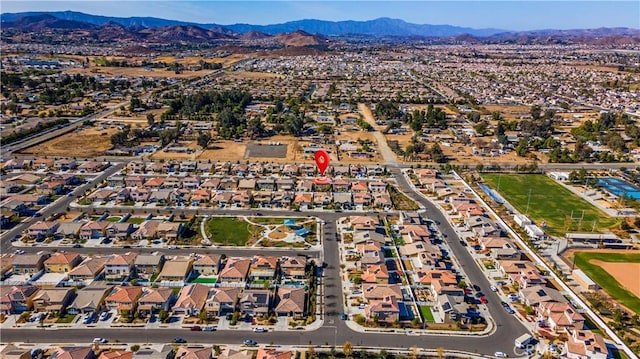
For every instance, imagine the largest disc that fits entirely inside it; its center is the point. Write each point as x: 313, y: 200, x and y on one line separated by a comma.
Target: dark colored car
x: 179, y: 340
x: 196, y: 328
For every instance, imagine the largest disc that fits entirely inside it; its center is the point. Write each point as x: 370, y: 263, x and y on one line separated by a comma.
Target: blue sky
x: 508, y: 15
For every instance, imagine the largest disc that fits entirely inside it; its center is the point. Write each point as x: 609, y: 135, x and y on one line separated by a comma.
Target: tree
x: 255, y: 128
x: 536, y: 112
x: 134, y: 348
x: 163, y: 315
x: 413, y: 353
x: 202, y: 317
x: 481, y: 128
x: 151, y: 119
x: 523, y: 147
x: 347, y: 349
x: 203, y: 139
x: 440, y: 352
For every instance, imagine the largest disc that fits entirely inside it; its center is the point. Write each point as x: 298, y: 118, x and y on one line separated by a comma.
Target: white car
x: 260, y: 330
x: 19, y: 251
x: 500, y: 355
x: 100, y: 340
x: 493, y: 288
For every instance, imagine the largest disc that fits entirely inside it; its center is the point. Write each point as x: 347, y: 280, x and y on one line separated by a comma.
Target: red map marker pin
x: 322, y: 160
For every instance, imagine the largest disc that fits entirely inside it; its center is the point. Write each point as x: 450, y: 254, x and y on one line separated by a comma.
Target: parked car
x: 344, y: 316
x: 249, y: 342
x: 500, y: 355
x: 209, y: 328
x: 104, y: 315
x: 179, y: 340
x: 196, y: 328
x: 19, y: 251
x: 100, y: 340
x: 260, y: 330
x: 483, y: 300
x: 494, y: 288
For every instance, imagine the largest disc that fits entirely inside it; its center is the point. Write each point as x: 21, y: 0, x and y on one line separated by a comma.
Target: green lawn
x: 228, y: 231
x: 426, y: 313
x: 605, y: 280
x: 113, y: 219
x: 67, y: 318
x: 205, y: 280
x: 135, y: 220
x: 269, y: 220
x: 550, y: 202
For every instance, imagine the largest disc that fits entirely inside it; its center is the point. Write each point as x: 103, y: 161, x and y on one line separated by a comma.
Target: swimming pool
x: 619, y: 187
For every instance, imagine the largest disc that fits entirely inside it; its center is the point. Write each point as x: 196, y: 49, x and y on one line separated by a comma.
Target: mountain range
x: 294, y: 33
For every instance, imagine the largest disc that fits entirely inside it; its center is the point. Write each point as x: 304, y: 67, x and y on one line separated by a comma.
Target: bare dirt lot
x: 626, y: 274
x: 136, y: 71
x: 88, y: 142
x: 252, y: 75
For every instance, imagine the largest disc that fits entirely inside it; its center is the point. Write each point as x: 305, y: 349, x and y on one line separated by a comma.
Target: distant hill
x: 297, y: 33
x: 300, y: 38
x: 378, y: 27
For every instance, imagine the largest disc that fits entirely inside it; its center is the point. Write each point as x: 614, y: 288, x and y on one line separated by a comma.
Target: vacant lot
x: 137, y: 71
x: 88, y: 142
x: 228, y: 231
x: 266, y: 151
x: 549, y: 203
x: 618, y: 283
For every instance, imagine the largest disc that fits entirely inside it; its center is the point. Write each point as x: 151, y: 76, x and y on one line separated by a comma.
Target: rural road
x: 386, y: 152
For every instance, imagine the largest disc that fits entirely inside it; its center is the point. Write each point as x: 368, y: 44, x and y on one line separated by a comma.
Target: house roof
x: 375, y: 291
x: 90, y: 297
x: 223, y: 295
x: 229, y: 353
x: 264, y: 353
x: 193, y: 353
x: 298, y: 262
x: 124, y: 294
x: 121, y: 259
x: 63, y: 258
x: 291, y: 300
x: 177, y: 267
x: 90, y: 266
x: 207, y: 260
x: 192, y: 296
x: 116, y: 354
x: 236, y: 268
x: 155, y: 295
x: 28, y: 259
x: 72, y: 353
x: 52, y: 295
x: 152, y: 259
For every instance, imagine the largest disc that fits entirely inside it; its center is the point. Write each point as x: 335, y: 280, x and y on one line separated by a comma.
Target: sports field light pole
x: 528, y: 201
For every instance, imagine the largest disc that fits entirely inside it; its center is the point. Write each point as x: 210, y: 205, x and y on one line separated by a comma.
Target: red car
x: 483, y: 300
x: 467, y: 291
x: 196, y: 328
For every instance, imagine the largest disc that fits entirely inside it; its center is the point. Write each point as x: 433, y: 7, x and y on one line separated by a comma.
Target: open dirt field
x: 627, y: 274
x: 88, y: 142
x: 137, y: 72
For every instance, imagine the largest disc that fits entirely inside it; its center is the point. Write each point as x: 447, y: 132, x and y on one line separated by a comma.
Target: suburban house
x: 62, y: 262
x: 146, y: 230
x: 191, y: 299
x: 123, y: 298
x: 94, y: 230
x: 263, y: 267
x: 535, y: 295
x: 53, y: 300
x: 293, y: 267
x: 255, y: 301
x: 168, y: 230
x: 585, y: 344
x: 42, y: 229
x: 381, y: 291
x: 73, y: 353
x: 17, y: 299
x: 375, y: 273
x: 184, y: 352
x: 116, y: 354
x: 264, y: 353
x: 155, y: 299
x: 221, y: 301
x: 149, y: 264
x: 236, y: 270
x: 561, y: 316
x: 119, y: 230
x: 68, y: 230
x: 29, y: 263
x: 89, y: 269
x: 89, y: 299
x: 119, y: 266
x: 291, y: 302
x: 229, y: 353
x: 207, y: 264
x: 176, y: 270
x: 386, y: 310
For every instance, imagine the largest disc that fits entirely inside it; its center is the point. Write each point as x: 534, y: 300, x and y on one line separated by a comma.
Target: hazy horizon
x: 505, y: 15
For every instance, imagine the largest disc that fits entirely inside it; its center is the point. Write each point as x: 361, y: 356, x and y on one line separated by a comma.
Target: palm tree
x: 440, y: 352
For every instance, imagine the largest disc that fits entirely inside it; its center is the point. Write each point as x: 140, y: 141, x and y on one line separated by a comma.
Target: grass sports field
x: 550, y: 202
x: 605, y: 280
x: 228, y: 231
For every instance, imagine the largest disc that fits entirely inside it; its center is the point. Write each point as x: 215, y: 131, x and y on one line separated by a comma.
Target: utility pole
x: 528, y: 201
